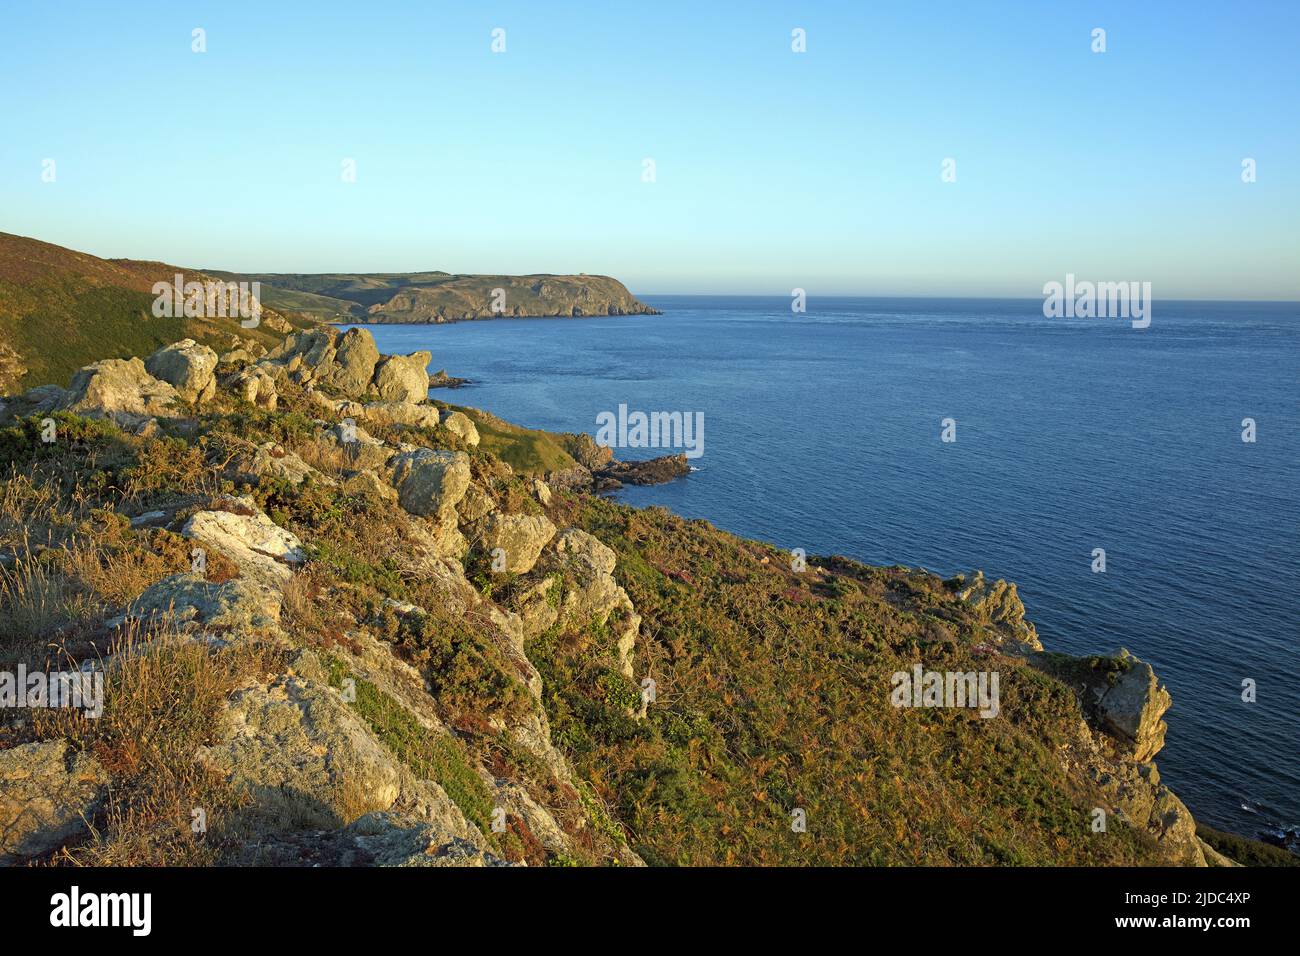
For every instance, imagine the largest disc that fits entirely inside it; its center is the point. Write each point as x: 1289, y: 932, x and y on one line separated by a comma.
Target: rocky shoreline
x: 397, y: 743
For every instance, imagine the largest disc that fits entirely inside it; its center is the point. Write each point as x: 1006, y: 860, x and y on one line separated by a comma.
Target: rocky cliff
x: 335, y: 628
x: 440, y: 297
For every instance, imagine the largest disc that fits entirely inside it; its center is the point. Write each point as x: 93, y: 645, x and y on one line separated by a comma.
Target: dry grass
x: 328, y: 458
x: 163, y: 698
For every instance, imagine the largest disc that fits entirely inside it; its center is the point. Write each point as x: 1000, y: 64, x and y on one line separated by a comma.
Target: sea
x: 1173, y: 449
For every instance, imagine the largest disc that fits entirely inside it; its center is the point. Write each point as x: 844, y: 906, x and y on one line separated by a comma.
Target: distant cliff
x: 441, y: 297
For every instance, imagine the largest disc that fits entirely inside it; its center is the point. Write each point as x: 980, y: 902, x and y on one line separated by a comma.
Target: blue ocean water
x: 822, y: 431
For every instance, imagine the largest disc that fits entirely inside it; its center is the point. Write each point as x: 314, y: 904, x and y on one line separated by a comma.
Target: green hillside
x: 61, y: 309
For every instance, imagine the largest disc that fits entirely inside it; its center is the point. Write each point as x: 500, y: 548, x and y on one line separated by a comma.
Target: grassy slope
x: 61, y: 309
x: 527, y: 450
x: 773, y: 694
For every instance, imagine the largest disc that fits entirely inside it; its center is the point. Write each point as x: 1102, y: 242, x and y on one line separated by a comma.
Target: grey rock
x: 188, y: 367
x: 47, y: 796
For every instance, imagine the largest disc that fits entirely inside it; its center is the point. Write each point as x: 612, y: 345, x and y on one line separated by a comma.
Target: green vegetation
x: 529, y: 451
x: 1245, y: 851
x: 432, y: 756
x: 61, y: 310
x: 772, y: 694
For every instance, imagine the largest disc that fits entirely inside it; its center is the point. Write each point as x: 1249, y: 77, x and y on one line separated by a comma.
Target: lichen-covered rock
x: 403, y: 378
x: 1133, y: 707
x: 314, y: 347
x: 354, y: 363
x: 237, y: 606
x: 520, y: 537
x: 386, y: 839
x: 476, y: 504
x: 590, y: 592
x: 257, y: 387
x: 188, y: 367
x: 368, y: 484
x: 400, y: 413
x: 460, y: 424
x: 297, y: 748
x: 580, y: 549
x: 999, y: 605
x: 543, y: 492
x: 261, y: 548
x: 121, y: 389
x: 44, y: 398
x: 46, y: 798
x: 429, y: 481
x: 272, y: 460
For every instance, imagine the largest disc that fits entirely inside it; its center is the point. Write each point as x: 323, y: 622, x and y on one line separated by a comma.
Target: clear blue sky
x: 774, y: 169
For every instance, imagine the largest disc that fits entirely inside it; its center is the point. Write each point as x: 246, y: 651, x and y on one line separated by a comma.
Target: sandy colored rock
x: 262, y: 549
x: 429, y: 481
x: 121, y: 389
x: 188, y: 367
x: 403, y: 378
x: 458, y: 423
x: 1132, y: 709
x: 521, y: 537
x: 297, y: 748
x: 46, y: 797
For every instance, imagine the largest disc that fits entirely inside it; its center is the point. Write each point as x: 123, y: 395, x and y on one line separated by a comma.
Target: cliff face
x: 338, y: 627
x: 440, y: 297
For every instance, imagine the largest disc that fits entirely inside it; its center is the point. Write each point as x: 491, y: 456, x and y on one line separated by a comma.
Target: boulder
x: 458, y: 423
x: 543, y: 492
x: 271, y: 459
x: 188, y: 367
x: 121, y: 389
x: 476, y: 504
x: 313, y: 347
x: 262, y: 549
x: 400, y: 413
x: 403, y: 378
x: 298, y: 749
x: 521, y: 537
x: 237, y: 605
x: 44, y: 398
x: 354, y: 363
x: 47, y: 797
x: 1132, y: 708
x: 368, y: 485
x: 429, y: 481
x: 365, y: 451
x: 581, y: 551
x: 256, y: 386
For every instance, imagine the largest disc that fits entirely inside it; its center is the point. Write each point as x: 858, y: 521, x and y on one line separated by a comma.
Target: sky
x: 773, y: 169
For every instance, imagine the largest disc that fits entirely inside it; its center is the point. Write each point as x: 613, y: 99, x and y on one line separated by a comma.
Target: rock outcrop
x: 403, y: 378
x: 123, y: 390
x: 188, y: 367
x: 1132, y: 708
x: 47, y: 796
x: 999, y: 604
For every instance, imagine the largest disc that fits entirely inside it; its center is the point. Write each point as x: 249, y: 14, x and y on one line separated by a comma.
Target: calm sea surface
x: 822, y: 431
